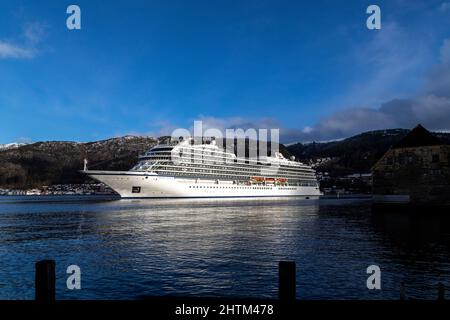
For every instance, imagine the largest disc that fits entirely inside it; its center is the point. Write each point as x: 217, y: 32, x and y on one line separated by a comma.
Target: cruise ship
x: 182, y: 168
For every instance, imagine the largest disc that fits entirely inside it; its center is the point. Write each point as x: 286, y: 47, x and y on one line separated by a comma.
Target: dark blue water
x: 222, y: 248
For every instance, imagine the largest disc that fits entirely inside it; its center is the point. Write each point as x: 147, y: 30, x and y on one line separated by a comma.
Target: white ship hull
x: 150, y: 185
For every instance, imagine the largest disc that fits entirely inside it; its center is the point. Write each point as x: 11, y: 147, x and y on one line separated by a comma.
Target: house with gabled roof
x: 414, y: 171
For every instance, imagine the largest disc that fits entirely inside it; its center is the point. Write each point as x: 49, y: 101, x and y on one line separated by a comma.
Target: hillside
x: 356, y: 154
x: 59, y: 162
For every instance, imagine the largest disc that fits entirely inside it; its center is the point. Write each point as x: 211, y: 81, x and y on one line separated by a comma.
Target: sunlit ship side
x: 183, y: 169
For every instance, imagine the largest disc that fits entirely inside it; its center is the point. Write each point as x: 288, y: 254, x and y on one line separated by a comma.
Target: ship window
x: 136, y: 190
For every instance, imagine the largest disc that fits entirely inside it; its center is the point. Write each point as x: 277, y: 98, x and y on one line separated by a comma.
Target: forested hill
x: 59, y: 162
x: 356, y: 154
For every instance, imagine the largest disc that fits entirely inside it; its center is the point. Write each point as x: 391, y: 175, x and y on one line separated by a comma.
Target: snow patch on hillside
x: 9, y: 146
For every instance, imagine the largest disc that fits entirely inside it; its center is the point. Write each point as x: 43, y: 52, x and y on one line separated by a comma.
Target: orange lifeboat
x: 257, y: 179
x: 282, y: 180
x: 270, y: 180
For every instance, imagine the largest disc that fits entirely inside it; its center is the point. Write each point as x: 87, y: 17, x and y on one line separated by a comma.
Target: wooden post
x: 402, y: 291
x: 287, y: 281
x: 45, y: 281
x: 441, y: 291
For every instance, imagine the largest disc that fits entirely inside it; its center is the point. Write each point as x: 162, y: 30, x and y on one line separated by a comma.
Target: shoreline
x: 112, y: 197
x: 57, y: 198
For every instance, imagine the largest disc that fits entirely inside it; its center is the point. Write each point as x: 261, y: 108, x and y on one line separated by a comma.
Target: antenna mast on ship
x: 85, y: 164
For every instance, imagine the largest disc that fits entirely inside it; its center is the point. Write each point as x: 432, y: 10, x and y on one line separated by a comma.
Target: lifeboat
x: 270, y: 180
x: 257, y: 179
x: 281, y: 180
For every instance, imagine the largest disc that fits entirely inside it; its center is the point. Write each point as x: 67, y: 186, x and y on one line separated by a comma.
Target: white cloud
x: 430, y: 106
x: 392, y: 55
x: 32, y: 35
x: 24, y: 140
x: 9, y: 50
x: 165, y: 128
x: 222, y: 124
x: 445, y: 6
x: 445, y: 51
x: 34, y: 32
x: 307, y: 130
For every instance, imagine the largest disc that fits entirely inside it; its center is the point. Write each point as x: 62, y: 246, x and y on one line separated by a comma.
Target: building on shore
x: 415, y: 171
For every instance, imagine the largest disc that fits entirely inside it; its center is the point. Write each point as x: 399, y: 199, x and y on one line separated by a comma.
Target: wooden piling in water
x: 287, y: 281
x: 441, y: 291
x: 402, y: 291
x: 45, y: 281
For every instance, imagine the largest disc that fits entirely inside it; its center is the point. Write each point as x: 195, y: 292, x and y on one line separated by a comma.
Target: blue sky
x: 310, y: 68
